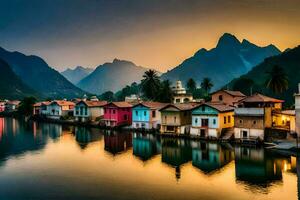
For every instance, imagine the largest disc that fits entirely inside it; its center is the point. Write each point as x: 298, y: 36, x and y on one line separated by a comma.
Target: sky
x: 157, y: 34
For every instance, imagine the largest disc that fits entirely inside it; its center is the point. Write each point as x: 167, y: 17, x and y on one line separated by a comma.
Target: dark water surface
x: 49, y: 161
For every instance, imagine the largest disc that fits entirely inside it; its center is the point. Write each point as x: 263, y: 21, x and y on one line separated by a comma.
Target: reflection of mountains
x: 210, y: 157
x: 257, y: 167
x: 145, y: 146
x: 18, y: 137
x: 84, y: 136
x: 116, y: 142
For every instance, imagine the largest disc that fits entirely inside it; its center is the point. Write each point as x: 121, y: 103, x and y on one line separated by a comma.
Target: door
x: 245, y: 134
x: 202, y: 132
x: 204, y: 122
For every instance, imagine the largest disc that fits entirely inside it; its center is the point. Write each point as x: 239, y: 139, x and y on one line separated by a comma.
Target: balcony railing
x: 249, y: 111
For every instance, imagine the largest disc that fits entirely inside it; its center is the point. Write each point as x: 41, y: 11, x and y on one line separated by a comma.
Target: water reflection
x: 254, y: 170
x: 145, y: 146
x: 116, y: 142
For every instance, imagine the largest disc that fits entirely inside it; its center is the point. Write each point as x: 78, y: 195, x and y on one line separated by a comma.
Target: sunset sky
x: 152, y: 33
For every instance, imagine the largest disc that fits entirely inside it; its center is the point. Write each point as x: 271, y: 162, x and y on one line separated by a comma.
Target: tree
x: 191, y: 85
x: 165, y: 94
x: 207, y: 84
x: 245, y: 85
x: 150, y: 84
x: 107, y: 96
x: 277, y: 80
x: 26, y: 106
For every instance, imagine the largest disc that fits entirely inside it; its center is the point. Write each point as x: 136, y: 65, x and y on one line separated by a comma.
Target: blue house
x: 146, y: 115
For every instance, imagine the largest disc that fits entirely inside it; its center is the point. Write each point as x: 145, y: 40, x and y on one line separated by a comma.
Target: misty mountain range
x: 228, y: 60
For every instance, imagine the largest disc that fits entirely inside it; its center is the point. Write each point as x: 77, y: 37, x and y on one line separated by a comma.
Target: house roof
x: 121, y: 104
x: 152, y: 104
x: 63, y: 103
x: 285, y: 112
x: 181, y: 106
x: 257, y: 98
x: 94, y: 103
x: 219, y: 106
x: 232, y: 93
x: 38, y: 104
x: 13, y: 102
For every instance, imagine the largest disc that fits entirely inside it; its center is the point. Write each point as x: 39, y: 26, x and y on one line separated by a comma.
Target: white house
x: 88, y: 110
x: 59, y: 108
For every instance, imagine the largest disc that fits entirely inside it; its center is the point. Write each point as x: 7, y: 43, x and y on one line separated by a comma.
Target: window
x: 254, y: 122
x: 165, y: 118
x: 136, y: 113
x: 177, y: 100
x: 125, y: 117
x: 174, y: 119
x: 153, y: 113
x: 196, y: 120
x: 229, y: 119
x: 241, y: 121
x: 114, y: 111
x: 85, y: 111
x: 203, y: 108
x: 214, y: 121
x: 225, y: 120
x: 220, y: 97
x: 145, y: 113
x: 105, y: 110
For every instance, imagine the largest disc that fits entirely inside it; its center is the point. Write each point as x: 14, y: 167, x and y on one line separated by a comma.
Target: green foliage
x: 245, y: 85
x: 207, y: 84
x: 165, y: 94
x: 191, y: 85
x: 150, y: 84
x: 26, y: 106
x: 107, y: 96
x: 277, y: 80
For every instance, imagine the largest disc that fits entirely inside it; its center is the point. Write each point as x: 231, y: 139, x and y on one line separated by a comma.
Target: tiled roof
x: 221, y: 107
x: 121, y: 104
x: 232, y: 93
x: 256, y: 98
x: 182, y: 106
x: 63, y: 103
x: 13, y: 102
x: 94, y: 103
x: 285, y: 112
x: 152, y: 104
x: 40, y: 103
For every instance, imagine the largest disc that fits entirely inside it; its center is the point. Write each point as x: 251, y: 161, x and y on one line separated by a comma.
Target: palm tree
x: 277, y: 80
x: 150, y: 84
x: 191, y: 85
x: 165, y: 94
x: 207, y: 84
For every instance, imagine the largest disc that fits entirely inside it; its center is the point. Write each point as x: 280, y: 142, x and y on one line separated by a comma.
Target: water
x: 49, y: 161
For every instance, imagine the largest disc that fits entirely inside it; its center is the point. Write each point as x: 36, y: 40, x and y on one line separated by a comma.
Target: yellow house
x: 284, y: 119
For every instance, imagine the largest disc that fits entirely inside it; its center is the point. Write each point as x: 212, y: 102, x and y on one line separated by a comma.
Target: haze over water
x: 49, y: 161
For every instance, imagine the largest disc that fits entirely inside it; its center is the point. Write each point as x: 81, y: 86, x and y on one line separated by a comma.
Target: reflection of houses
x: 226, y: 96
x: 211, y: 119
x: 84, y: 136
x: 145, y: 145
x: 180, y: 94
x: 209, y: 157
x: 256, y: 166
x: 176, y: 152
x: 176, y: 118
x: 253, y: 115
x: 88, y: 110
x: 117, y: 114
x: 146, y: 115
x: 117, y: 142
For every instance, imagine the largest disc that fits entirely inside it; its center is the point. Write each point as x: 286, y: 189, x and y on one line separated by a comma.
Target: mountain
x: 229, y: 59
x: 11, y: 86
x: 112, y: 77
x: 77, y: 74
x: 288, y: 60
x: 36, y: 73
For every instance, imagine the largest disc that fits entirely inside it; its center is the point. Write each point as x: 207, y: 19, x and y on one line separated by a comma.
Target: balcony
x: 249, y: 111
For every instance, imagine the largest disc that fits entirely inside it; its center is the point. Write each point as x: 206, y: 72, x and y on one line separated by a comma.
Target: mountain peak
x: 228, y: 40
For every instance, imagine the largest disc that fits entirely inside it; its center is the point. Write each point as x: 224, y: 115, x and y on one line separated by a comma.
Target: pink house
x: 117, y: 114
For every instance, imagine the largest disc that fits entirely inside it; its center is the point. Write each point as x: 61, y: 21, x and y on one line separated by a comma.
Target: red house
x: 117, y: 114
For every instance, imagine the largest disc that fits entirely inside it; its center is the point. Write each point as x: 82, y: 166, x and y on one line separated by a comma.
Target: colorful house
x: 60, y: 108
x: 284, y: 120
x: 40, y: 108
x: 176, y: 118
x: 226, y: 96
x: 146, y: 115
x: 212, y: 119
x: 117, y: 114
x: 11, y: 106
x: 89, y: 110
x: 253, y: 115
